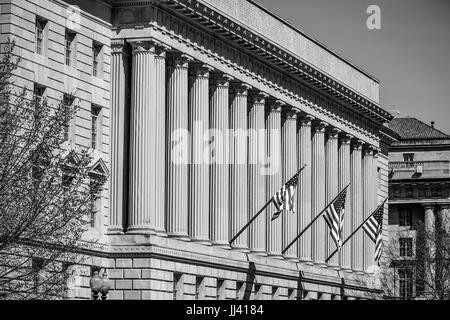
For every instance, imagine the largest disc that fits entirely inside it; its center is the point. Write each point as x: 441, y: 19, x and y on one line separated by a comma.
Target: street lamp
x: 99, y: 285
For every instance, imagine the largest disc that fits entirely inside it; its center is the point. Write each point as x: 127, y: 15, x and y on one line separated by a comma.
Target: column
x: 119, y: 136
x: 142, y: 174
x: 318, y: 191
x: 274, y: 177
x: 219, y: 174
x: 160, y: 140
x: 178, y: 148
x: 344, y: 180
x: 290, y: 167
x: 367, y: 168
x: 444, y: 217
x: 238, y: 169
x: 199, y: 166
x: 429, y: 222
x: 256, y: 174
x: 304, y: 190
x: 356, y: 205
x: 331, y: 185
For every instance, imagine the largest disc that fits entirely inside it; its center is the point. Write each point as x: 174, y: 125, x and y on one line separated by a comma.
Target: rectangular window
x: 67, y: 103
x: 221, y: 289
x: 408, y: 157
x: 69, y: 43
x: 96, y: 50
x: 38, y: 92
x: 397, y: 193
x: 94, y: 189
x: 405, y: 247
x: 258, y: 292
x: 405, y: 217
x: 37, y: 266
x: 275, y: 293
x: 405, y: 277
x: 291, y: 294
x: 95, y: 112
x: 177, y: 286
x: 199, y: 288
x: 39, y: 33
x: 240, y: 290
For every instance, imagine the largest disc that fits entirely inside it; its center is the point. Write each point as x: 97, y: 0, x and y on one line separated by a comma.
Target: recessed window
x: 221, y: 289
x: 405, y: 278
x: 96, y: 54
x: 95, y: 201
x: 240, y: 290
x: 405, y: 247
x: 291, y: 294
x: 199, y: 288
x: 95, y: 114
x: 67, y: 104
x: 37, y: 266
x: 40, y: 34
x: 405, y: 217
x: 177, y: 286
x: 70, y: 46
x: 38, y: 92
x: 408, y: 157
x: 397, y: 193
x: 409, y: 192
x: 275, y: 293
x: 258, y: 292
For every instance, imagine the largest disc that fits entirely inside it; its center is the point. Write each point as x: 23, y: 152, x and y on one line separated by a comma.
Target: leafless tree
x: 45, y: 190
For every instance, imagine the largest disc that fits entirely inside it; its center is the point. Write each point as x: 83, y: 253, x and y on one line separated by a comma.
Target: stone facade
x: 162, y: 66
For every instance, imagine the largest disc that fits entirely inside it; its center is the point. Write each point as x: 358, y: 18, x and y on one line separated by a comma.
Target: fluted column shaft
x: 256, y: 174
x: 304, y: 190
x: 331, y: 185
x: 368, y: 189
x: 219, y: 175
x: 119, y: 136
x: 344, y: 180
x: 274, y: 177
x: 238, y: 170
x: 178, y: 149
x: 318, y: 191
x: 290, y: 167
x: 142, y: 176
x: 356, y: 205
x: 199, y: 166
x: 160, y: 140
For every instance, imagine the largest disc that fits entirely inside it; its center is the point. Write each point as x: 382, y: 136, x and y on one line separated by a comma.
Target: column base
x: 291, y: 258
x: 223, y: 245
x: 205, y: 242
x: 179, y: 236
x: 114, y: 231
x: 140, y: 230
x: 240, y: 248
x: 277, y: 256
x: 161, y: 233
x: 258, y: 252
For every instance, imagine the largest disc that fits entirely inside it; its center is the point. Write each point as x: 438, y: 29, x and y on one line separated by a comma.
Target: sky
x: 409, y: 54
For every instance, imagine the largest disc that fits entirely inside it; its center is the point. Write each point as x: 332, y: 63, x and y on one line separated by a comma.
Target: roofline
x: 274, y: 15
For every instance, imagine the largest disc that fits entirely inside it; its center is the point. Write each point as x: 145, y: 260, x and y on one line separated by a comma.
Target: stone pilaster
x: 368, y: 189
x: 274, y: 177
x: 430, y: 224
x: 304, y: 190
x: 331, y: 185
x: 158, y: 213
x: 318, y: 191
x: 356, y: 204
x: 199, y: 166
x: 290, y: 167
x: 238, y: 169
x: 120, y: 74
x: 178, y: 148
x: 219, y: 174
x: 344, y: 180
x: 256, y: 174
x: 142, y: 174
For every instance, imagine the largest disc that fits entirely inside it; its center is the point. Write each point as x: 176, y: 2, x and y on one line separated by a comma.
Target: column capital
x: 429, y: 206
x: 306, y: 120
x: 345, y: 138
x: 275, y: 105
x: 240, y: 88
x: 179, y: 60
x: 200, y: 70
x: 119, y: 46
x: 258, y: 97
x: 357, y: 144
x: 220, y: 80
x: 319, y: 126
x: 333, y: 132
x: 290, y: 113
x: 161, y: 50
x: 143, y: 45
x: 368, y: 149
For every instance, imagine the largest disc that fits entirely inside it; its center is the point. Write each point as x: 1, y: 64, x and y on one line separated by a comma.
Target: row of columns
x: 207, y: 201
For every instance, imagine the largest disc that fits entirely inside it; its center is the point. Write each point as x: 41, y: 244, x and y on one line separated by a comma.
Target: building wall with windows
x: 142, y: 70
x: 419, y: 186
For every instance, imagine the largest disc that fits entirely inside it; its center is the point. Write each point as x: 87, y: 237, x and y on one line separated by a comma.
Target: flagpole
x: 356, y: 230
x: 257, y: 214
x: 309, y: 225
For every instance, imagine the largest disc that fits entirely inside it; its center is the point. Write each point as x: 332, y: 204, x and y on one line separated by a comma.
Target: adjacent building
x: 152, y: 77
x: 419, y: 185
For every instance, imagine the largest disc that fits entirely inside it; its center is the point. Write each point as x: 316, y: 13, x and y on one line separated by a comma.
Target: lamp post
x: 99, y: 285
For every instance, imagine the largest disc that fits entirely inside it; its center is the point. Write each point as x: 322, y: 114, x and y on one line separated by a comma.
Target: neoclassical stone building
x: 144, y: 72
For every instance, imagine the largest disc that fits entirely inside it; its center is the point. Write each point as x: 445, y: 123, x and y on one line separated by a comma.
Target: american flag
x: 283, y: 199
x: 374, y: 229
x: 334, y: 217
